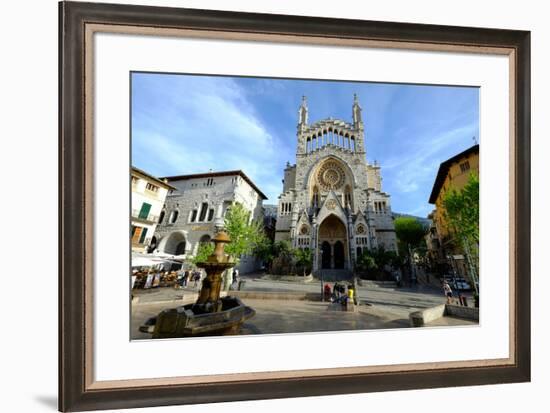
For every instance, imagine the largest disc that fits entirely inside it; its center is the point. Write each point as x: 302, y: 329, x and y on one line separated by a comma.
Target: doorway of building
x: 325, y: 255
x: 339, y: 257
x: 332, y: 239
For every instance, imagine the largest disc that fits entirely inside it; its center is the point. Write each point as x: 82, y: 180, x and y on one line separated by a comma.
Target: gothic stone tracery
x: 332, y: 199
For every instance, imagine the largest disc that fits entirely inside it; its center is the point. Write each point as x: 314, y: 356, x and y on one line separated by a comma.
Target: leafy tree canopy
x: 303, y: 257
x: 205, y: 249
x: 410, y: 231
x: 245, y: 234
x: 462, y: 209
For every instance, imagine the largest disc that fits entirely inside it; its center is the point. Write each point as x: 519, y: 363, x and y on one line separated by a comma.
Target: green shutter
x: 144, y: 212
x: 143, y: 234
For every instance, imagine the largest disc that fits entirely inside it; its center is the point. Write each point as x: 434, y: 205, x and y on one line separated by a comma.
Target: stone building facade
x: 332, y: 200
x: 195, y: 211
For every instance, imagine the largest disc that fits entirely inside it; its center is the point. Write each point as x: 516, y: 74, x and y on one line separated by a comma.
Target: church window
x: 352, y: 144
x: 210, y: 214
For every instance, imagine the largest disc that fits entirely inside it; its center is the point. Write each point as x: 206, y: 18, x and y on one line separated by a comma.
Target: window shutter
x: 144, y: 212
x: 143, y: 234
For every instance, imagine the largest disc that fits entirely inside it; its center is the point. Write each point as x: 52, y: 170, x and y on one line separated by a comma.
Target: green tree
x: 205, y: 249
x: 245, y: 234
x: 282, y: 249
x: 304, y: 258
x: 409, y: 231
x: 410, y: 234
x: 461, y: 209
x: 366, y: 262
x: 384, y: 257
x: 265, y: 251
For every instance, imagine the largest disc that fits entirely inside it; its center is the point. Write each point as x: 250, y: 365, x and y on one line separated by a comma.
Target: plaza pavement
x: 381, y: 307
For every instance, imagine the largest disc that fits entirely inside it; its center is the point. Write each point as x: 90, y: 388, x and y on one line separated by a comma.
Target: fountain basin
x: 183, y: 322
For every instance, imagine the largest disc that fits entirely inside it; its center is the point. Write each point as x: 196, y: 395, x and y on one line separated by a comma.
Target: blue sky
x: 185, y: 124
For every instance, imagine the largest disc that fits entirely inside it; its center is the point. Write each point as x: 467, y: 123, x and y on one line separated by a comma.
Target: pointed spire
x: 302, y: 112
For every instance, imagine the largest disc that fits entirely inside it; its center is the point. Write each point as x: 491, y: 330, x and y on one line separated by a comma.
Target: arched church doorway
x: 333, y: 241
x: 325, y: 255
x: 339, y: 257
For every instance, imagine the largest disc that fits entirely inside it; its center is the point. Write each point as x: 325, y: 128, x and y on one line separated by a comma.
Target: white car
x: 459, y: 284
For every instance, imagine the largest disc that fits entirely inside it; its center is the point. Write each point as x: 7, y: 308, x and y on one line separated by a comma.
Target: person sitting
x: 327, y: 292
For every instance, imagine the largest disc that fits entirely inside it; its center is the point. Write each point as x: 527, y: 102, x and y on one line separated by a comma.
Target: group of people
x: 185, y: 277
x: 151, y: 278
x: 340, y: 293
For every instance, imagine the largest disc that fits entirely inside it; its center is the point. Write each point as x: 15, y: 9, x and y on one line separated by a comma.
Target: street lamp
x: 322, y: 289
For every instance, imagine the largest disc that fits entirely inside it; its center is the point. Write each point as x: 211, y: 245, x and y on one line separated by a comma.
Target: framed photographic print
x: 260, y: 201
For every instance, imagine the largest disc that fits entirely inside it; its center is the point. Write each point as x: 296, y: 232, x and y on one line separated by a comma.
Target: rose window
x: 331, y: 176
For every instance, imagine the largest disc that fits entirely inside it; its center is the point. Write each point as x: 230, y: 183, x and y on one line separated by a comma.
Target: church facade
x: 332, y: 200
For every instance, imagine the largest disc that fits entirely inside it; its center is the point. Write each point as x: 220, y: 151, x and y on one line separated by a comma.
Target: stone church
x: 332, y: 200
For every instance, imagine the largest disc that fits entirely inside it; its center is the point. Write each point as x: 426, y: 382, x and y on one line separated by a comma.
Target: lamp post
x: 322, y: 286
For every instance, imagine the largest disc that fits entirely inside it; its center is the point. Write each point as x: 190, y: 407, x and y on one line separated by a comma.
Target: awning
x: 149, y: 260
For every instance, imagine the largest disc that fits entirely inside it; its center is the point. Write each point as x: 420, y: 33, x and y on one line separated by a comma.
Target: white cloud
x: 417, y: 165
x: 192, y: 124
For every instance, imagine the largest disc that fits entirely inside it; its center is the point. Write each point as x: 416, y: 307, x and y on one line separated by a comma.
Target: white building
x: 148, y: 195
x: 332, y: 200
x: 196, y: 209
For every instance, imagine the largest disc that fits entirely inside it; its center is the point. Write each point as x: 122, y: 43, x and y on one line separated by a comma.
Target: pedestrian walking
x: 448, y: 291
x: 185, y: 279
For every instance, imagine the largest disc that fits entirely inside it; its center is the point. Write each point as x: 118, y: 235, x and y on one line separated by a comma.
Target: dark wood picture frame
x: 77, y: 389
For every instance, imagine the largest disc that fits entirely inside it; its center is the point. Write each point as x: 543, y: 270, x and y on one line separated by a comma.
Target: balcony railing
x: 149, y: 218
x: 145, y: 242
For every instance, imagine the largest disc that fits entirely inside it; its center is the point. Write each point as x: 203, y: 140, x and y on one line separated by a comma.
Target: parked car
x: 457, y: 283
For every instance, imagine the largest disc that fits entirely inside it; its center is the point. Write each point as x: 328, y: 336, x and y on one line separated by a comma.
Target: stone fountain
x: 210, y: 314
